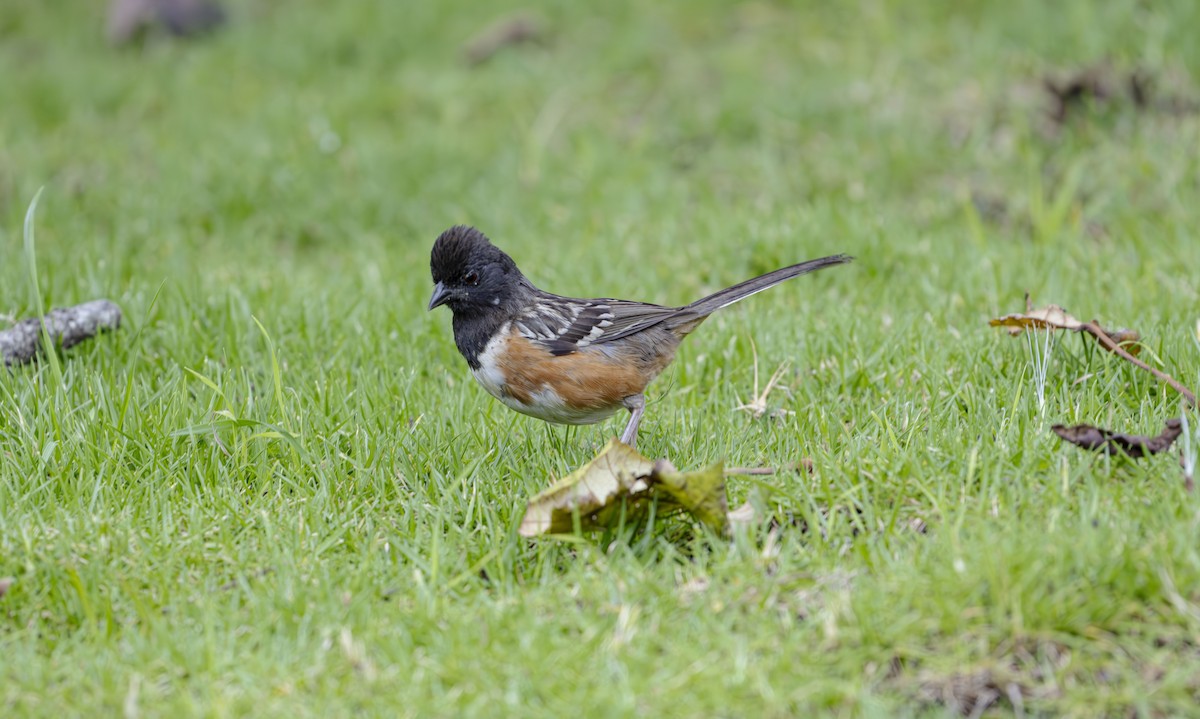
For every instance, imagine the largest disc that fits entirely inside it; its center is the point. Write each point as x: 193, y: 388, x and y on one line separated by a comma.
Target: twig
x: 66, y: 326
x: 1095, y: 330
x: 804, y: 465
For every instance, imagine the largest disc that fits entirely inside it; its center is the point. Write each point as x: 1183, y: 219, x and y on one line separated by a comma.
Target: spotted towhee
x: 561, y: 359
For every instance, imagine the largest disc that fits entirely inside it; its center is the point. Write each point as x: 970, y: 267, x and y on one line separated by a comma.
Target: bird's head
x: 471, y: 274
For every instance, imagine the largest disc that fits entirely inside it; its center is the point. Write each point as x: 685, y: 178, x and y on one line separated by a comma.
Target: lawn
x: 277, y: 491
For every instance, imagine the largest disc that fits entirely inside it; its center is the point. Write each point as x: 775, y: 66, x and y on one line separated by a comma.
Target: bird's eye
x: 471, y: 278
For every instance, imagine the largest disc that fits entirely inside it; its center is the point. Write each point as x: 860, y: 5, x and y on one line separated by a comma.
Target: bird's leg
x: 636, y: 404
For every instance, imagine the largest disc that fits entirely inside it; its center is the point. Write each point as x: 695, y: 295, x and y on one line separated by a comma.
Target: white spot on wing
x: 592, y: 336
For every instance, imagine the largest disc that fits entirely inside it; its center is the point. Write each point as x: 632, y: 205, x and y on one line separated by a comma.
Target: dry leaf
x: 1124, y: 344
x: 1109, y: 442
x: 620, y: 477
x: 1127, y: 352
x: 5, y: 584
x: 701, y: 493
x: 1048, y: 317
x: 1053, y: 317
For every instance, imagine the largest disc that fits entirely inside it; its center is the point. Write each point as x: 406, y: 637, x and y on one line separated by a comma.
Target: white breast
x: 488, y: 374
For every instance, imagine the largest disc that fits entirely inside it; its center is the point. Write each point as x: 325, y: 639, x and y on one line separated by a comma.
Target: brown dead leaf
x: 1048, y: 317
x: 1053, y: 317
x: 5, y: 584
x: 1109, y: 442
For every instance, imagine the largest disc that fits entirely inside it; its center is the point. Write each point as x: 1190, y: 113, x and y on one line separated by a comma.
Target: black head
x: 470, y: 273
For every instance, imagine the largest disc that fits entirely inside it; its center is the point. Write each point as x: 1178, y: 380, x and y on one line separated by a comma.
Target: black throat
x: 473, y: 330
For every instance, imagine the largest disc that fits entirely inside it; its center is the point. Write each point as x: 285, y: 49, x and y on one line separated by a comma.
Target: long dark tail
x: 742, y: 290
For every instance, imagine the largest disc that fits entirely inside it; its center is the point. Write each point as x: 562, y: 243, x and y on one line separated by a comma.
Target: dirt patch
x: 1023, y: 676
x: 1098, y: 87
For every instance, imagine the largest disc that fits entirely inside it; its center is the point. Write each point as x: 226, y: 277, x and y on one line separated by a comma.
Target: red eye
x: 471, y: 278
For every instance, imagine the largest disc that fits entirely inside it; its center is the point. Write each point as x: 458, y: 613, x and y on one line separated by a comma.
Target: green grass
x: 277, y: 492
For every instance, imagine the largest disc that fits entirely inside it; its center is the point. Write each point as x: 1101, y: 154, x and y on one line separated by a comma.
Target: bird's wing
x: 564, y: 325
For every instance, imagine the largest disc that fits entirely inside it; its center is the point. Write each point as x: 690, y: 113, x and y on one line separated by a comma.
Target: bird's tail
x: 742, y: 290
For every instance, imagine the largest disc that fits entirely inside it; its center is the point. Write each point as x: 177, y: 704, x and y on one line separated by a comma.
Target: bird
x: 561, y: 359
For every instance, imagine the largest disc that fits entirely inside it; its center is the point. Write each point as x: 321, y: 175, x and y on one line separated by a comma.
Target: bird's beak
x: 440, y: 295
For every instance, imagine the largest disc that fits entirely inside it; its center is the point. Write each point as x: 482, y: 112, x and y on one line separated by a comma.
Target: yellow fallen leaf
x: 700, y: 493
x: 619, y: 478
